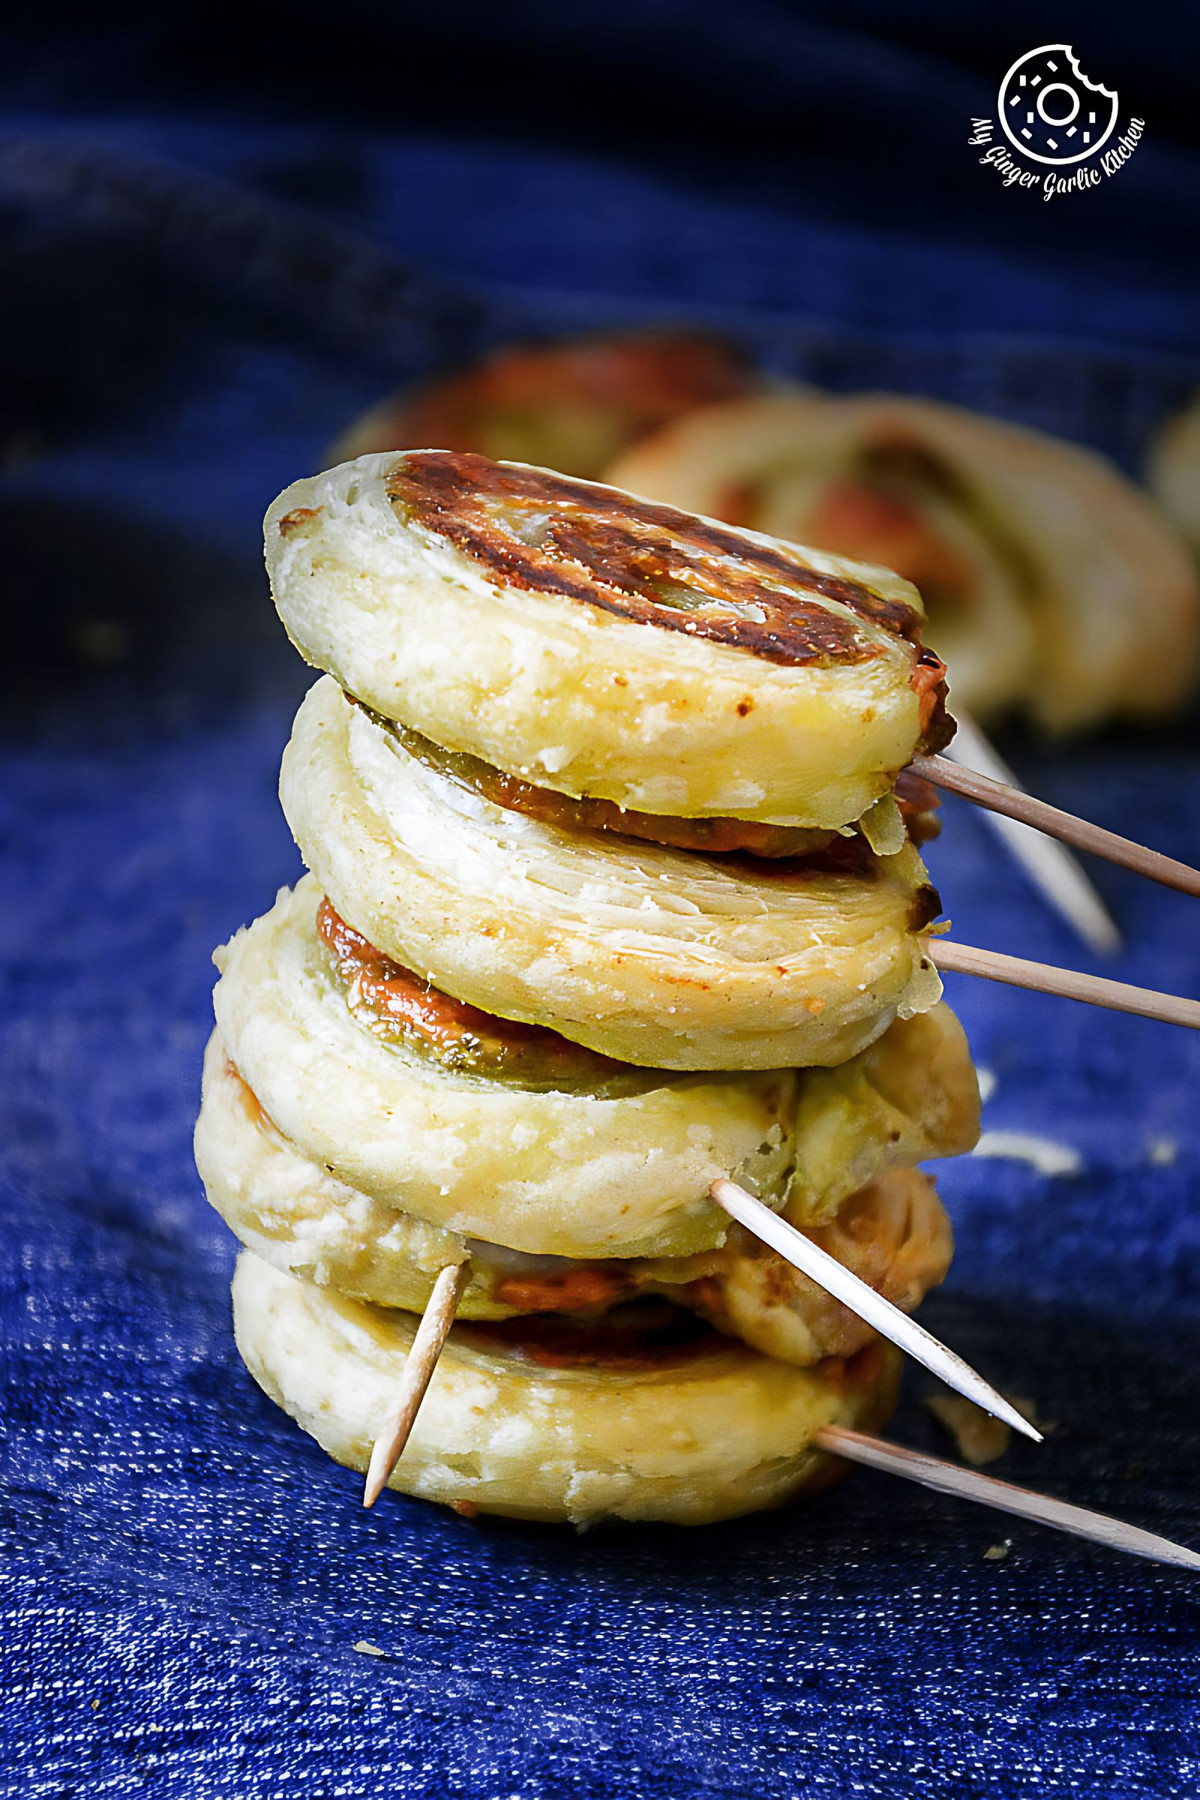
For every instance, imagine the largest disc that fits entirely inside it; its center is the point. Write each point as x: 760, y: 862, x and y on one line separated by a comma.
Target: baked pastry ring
x: 659, y: 957
x: 300, y: 1218
x: 619, y: 1168
x: 1050, y: 582
x: 568, y: 403
x: 604, y: 646
x: 687, y: 1436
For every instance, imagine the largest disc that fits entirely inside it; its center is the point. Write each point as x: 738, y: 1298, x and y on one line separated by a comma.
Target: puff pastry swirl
x: 709, y: 1435
x: 586, y: 641
x: 658, y: 957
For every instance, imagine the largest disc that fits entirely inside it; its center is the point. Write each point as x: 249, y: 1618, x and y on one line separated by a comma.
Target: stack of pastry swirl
x: 613, y: 891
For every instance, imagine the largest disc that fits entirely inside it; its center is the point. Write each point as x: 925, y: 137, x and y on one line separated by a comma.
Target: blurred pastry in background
x: 571, y: 404
x: 1174, y: 471
x: 1051, y: 583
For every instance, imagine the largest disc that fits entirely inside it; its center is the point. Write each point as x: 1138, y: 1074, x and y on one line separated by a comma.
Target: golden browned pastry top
x: 643, y: 561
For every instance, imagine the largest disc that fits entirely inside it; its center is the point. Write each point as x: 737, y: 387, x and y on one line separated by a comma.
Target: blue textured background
x: 185, y: 1576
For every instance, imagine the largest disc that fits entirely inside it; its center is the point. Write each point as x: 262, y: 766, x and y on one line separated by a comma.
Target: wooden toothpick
x: 1068, y: 984
x: 422, y: 1359
x: 1003, y: 1496
x: 1049, y: 864
x: 1014, y: 803
x: 862, y: 1299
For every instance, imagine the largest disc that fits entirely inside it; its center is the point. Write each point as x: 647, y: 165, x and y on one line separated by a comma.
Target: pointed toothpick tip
x: 377, y: 1474
x: 861, y: 1298
x: 1003, y: 1496
x: 421, y: 1361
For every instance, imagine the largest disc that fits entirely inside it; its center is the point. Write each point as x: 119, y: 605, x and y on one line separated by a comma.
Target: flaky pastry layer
x: 658, y: 957
x: 725, y: 1433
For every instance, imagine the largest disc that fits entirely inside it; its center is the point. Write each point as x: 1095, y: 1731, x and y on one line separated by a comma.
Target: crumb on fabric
x: 365, y: 1648
x: 980, y: 1438
x: 1044, y: 1154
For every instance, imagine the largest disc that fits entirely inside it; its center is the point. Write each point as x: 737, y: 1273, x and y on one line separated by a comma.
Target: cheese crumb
x: 1041, y: 1153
